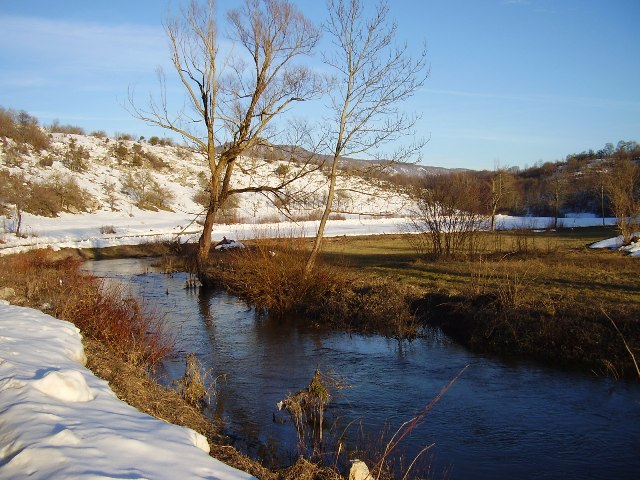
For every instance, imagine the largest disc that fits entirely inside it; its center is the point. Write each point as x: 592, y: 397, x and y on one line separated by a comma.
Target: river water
x: 498, y: 420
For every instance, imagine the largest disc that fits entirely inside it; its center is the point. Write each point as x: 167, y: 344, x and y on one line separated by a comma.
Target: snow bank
x: 633, y: 249
x: 57, y: 420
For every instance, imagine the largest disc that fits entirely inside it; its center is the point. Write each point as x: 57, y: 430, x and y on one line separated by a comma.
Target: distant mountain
x: 390, y: 168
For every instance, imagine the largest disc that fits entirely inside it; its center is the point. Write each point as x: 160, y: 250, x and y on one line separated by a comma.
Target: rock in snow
x: 58, y: 420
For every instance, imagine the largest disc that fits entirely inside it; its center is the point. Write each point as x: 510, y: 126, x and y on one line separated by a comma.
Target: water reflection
x: 499, y: 420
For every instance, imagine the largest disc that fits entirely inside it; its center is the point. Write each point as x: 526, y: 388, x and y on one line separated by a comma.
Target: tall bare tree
x: 501, y: 187
x: 232, y: 99
x: 623, y: 188
x: 373, y: 77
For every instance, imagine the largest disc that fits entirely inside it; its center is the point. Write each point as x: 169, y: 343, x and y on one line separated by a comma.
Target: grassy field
x: 546, y: 263
x: 539, y: 295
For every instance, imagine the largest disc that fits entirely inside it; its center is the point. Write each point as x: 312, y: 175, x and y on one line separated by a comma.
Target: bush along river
x: 499, y: 419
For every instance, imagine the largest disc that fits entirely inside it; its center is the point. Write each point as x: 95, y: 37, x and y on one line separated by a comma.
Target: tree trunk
x: 204, y: 246
x: 493, y: 217
x: 317, y: 243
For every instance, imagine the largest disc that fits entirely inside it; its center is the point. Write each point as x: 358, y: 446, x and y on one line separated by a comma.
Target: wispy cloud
x: 593, y: 102
x: 516, y: 2
x: 81, y: 46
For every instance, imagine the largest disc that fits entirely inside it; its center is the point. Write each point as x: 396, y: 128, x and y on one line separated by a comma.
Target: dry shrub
x: 23, y: 129
x: 195, y: 385
x: 102, y: 311
x: 272, y: 276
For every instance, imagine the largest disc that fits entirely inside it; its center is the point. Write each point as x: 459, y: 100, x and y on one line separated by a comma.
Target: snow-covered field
x: 60, y: 421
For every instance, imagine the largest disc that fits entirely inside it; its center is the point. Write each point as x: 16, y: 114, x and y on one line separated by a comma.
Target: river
x: 499, y: 420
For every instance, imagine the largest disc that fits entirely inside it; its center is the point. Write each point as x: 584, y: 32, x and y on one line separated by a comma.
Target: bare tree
x: 232, y: 100
x: 448, y: 217
x: 556, y: 185
x: 501, y: 187
x: 372, y: 78
x: 623, y: 187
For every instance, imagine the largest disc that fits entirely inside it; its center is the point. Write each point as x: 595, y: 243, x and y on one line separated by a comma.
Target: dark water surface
x: 499, y: 420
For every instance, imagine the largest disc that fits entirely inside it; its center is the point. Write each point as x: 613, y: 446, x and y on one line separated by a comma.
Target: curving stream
x: 499, y: 420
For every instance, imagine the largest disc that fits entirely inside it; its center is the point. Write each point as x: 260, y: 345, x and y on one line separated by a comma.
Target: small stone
x: 359, y: 471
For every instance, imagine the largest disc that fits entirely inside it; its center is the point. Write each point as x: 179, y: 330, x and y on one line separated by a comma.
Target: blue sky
x: 512, y: 82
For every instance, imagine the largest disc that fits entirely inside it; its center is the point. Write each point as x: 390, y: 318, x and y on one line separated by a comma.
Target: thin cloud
x: 593, y: 102
x: 71, y: 44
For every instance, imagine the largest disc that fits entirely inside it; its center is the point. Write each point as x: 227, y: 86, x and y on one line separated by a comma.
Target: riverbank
x: 122, y: 343
x: 61, y: 421
x: 389, y: 256
x: 541, y: 295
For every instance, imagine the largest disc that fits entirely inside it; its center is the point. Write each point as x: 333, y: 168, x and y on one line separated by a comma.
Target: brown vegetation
x: 271, y: 274
x: 47, y: 198
x: 23, y: 129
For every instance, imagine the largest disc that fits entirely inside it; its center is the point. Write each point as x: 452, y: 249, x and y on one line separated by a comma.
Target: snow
x: 59, y: 421
x: 633, y: 249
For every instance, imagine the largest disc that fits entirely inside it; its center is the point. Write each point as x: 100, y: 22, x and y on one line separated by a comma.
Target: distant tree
x: 372, y: 78
x: 449, y: 216
x: 234, y: 100
x: 556, y: 185
x: 623, y: 187
x: 501, y: 187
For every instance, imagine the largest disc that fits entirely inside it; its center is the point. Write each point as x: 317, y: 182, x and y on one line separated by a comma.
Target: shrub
x: 56, y: 127
x: 121, y: 136
x: 13, y: 156
x: 71, y: 197
x: 145, y: 191
x: 99, y: 134
x: 282, y: 170
x: 272, y: 276
x: 141, y: 157
x: 195, y: 384
x: 110, y: 192
x: 448, y: 219
x: 163, y: 142
x: 46, y: 160
x: 47, y: 199
x: 76, y: 157
x: 23, y: 129
x: 120, y: 152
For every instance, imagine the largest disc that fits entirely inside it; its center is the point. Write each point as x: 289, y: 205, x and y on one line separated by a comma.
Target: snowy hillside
x: 110, y: 165
x: 128, y: 188
x: 107, y: 192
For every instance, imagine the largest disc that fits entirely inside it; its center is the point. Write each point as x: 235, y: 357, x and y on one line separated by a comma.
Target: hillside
x: 78, y: 179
